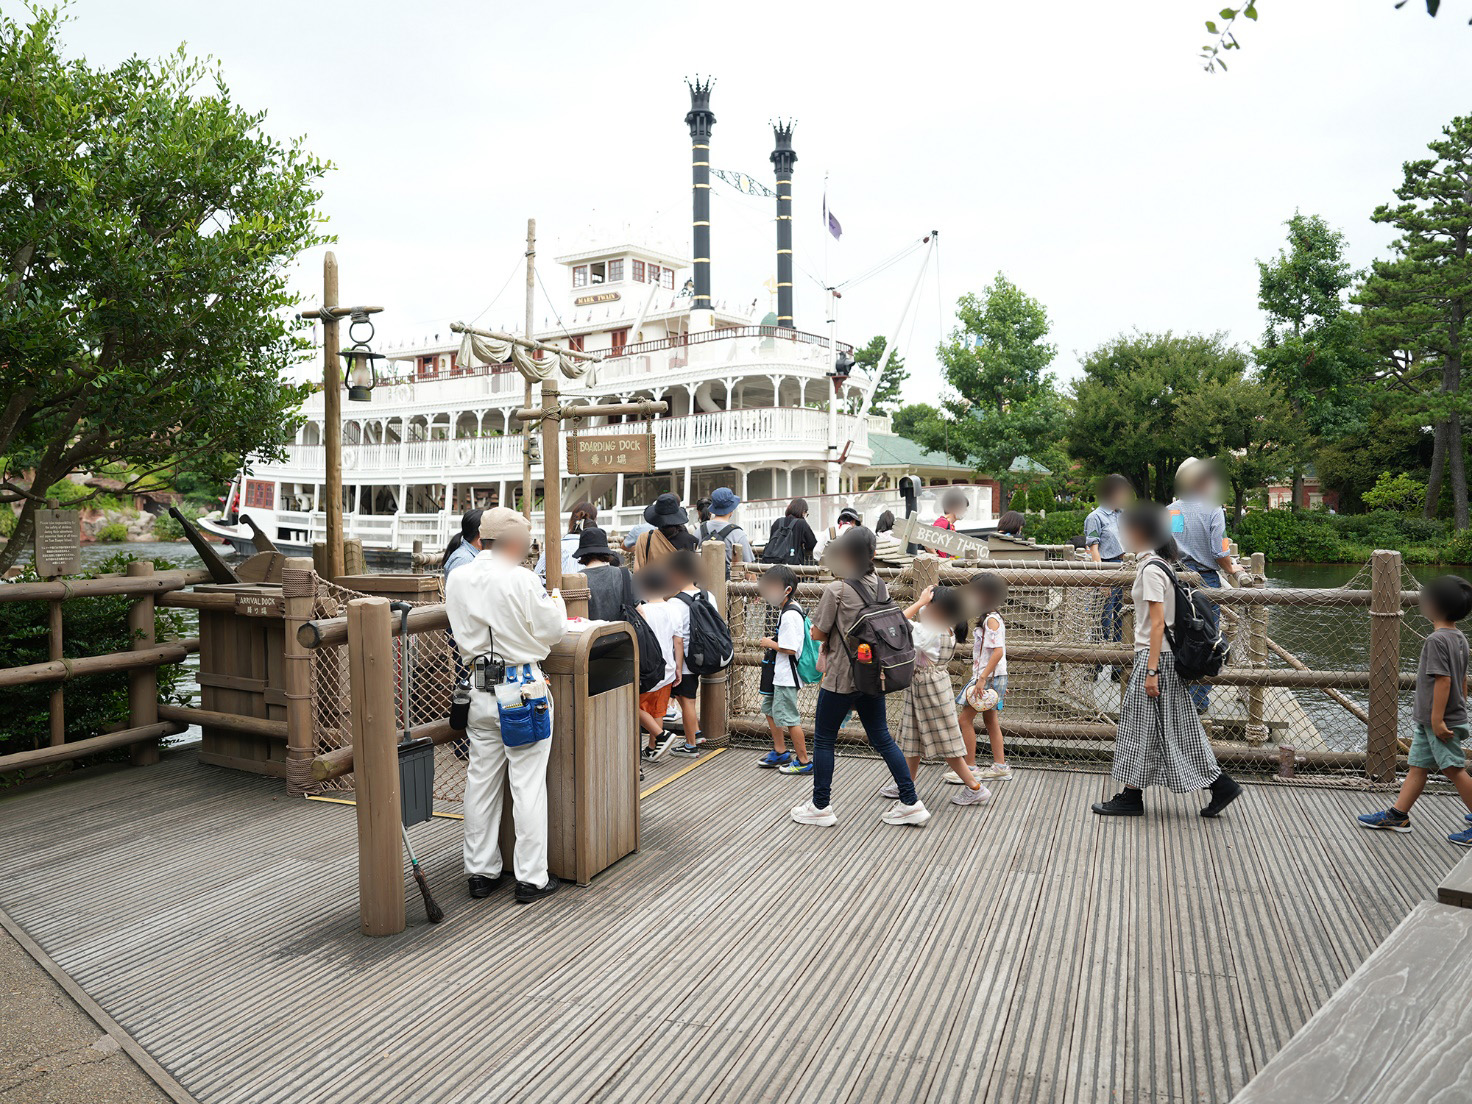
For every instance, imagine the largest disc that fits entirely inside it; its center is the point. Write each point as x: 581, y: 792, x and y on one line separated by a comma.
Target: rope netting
x: 1069, y: 649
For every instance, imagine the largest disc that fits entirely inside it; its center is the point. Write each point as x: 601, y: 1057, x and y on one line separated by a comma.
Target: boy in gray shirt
x: 1439, y: 710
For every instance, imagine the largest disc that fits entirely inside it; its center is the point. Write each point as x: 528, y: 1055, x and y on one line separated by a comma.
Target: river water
x: 1324, y: 638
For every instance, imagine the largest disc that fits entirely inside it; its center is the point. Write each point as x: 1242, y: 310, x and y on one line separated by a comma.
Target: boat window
x: 580, y: 276
x: 595, y: 271
x: 615, y: 271
x: 638, y: 272
x: 654, y: 274
x: 667, y: 278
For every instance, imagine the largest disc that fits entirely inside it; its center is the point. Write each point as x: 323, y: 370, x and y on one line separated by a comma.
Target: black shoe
x: 1127, y: 802
x: 526, y: 893
x: 1224, y: 791
x: 482, y: 885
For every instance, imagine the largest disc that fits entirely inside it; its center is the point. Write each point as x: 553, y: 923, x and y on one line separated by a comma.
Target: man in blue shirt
x: 1199, y: 526
x: 1101, y: 538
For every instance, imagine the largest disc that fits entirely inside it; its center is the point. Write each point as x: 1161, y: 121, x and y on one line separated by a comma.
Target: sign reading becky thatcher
x: 600, y: 453
x: 912, y: 530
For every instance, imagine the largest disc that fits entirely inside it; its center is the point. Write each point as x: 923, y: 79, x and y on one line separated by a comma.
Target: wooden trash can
x: 242, y: 672
x: 593, y: 774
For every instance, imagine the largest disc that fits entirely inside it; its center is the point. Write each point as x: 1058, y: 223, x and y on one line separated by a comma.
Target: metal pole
x: 832, y: 481
x: 332, y: 416
x: 551, y: 482
x: 526, y: 427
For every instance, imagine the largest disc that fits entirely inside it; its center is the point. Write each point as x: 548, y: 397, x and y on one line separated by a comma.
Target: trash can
x: 593, y: 774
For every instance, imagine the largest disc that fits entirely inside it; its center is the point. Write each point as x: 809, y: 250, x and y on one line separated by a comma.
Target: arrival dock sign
x: 610, y: 453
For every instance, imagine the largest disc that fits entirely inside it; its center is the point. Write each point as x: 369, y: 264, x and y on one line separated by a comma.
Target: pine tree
x: 887, y: 391
x: 1416, y: 304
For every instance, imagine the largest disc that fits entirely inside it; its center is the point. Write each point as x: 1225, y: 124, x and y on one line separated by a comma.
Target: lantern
x: 360, y: 373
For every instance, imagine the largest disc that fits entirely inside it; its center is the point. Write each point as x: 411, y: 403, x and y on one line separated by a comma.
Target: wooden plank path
x: 1024, y: 952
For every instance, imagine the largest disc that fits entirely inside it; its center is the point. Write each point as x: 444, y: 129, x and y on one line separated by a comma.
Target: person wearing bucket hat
x: 722, y: 527
x: 606, y: 588
x: 669, y: 534
x: 497, y: 608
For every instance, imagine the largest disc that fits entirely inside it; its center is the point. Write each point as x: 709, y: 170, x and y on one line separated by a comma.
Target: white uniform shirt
x: 661, y: 618
x: 493, y: 603
x: 931, y: 644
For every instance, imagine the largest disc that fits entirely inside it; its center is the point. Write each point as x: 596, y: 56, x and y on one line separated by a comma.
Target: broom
x: 431, y: 910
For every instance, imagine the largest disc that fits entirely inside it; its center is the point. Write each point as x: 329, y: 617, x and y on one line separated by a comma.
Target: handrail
x: 64, y: 670
x: 60, y: 590
x: 330, y: 632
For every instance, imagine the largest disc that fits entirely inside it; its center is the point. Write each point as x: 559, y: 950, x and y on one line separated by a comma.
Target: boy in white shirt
x: 779, y: 682
x: 684, y: 569
x: 655, y: 587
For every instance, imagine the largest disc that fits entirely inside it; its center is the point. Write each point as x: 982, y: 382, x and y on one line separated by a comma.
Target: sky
x: 1077, y: 147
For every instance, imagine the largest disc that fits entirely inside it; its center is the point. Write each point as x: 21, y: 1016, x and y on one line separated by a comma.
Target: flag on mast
x: 834, y: 226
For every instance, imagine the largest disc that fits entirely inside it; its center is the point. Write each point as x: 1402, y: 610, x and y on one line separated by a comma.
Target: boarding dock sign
x: 610, y: 453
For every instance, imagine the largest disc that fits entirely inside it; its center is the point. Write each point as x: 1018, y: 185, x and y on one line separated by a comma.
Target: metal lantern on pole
x: 360, y: 372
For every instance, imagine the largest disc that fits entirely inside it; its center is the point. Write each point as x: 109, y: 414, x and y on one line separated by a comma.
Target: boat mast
x: 526, y: 427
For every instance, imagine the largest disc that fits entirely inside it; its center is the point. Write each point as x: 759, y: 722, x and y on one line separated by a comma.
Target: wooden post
x: 53, y: 652
x: 416, y: 550
x: 299, y: 597
x: 526, y: 427
x: 332, y: 416
x: 1385, y: 619
x: 575, y: 594
x: 375, y: 766
x: 715, y: 689
x: 552, y: 482
x: 1257, y: 654
x: 143, y: 681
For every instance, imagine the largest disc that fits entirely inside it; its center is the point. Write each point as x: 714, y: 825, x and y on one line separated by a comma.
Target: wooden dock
x: 1028, y: 951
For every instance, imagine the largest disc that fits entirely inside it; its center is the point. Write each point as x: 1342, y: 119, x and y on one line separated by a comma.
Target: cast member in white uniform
x: 497, y: 605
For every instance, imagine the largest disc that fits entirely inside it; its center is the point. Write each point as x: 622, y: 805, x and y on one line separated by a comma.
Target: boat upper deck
x: 1023, y: 952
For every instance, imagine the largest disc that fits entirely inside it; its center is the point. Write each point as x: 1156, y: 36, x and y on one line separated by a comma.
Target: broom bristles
x: 432, y: 910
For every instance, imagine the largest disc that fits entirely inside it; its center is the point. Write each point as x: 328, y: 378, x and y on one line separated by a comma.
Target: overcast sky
x: 1077, y: 147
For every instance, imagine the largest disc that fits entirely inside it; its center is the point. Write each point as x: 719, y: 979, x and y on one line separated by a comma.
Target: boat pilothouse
x: 748, y: 407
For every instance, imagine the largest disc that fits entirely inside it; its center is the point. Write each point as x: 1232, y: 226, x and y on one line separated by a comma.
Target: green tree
x: 1312, y: 348
x: 1400, y: 492
x: 1351, y: 464
x: 916, y: 421
x: 146, y: 226
x: 1247, y: 425
x: 1416, y: 304
x: 1126, y: 404
x: 1008, y: 403
x: 887, y: 392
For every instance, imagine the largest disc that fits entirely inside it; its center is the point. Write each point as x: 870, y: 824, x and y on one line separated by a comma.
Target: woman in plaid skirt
x: 928, y: 725
x: 1160, y: 740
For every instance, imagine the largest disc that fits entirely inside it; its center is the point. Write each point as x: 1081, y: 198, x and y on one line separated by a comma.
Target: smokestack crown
x: 783, y: 156
x: 700, y: 118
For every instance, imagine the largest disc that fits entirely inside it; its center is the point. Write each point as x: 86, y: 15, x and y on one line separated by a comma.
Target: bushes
x: 1400, y: 492
x: 1317, y: 537
x: 1056, y: 528
x: 7, y: 520
x: 90, y: 626
x: 165, y: 528
x: 114, y: 532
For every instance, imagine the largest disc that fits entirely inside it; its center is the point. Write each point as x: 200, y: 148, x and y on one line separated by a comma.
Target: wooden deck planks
x: 1027, y: 951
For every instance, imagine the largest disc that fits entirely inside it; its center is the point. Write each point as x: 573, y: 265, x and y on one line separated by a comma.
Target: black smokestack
x: 782, y: 160
x: 700, y: 120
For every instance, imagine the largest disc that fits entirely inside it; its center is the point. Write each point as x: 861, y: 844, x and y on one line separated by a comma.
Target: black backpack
x: 781, y: 546
x: 881, y: 628
x: 710, y: 649
x: 723, y: 534
x: 1196, y: 641
x: 651, y: 656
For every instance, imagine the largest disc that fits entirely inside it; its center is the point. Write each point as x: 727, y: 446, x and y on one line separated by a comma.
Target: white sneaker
x: 890, y: 790
x: 808, y: 813
x: 997, y: 772
x: 953, y: 778
x: 900, y: 813
x: 979, y: 796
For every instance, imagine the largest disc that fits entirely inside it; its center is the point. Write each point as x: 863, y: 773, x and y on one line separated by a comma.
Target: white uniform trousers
x: 491, y: 761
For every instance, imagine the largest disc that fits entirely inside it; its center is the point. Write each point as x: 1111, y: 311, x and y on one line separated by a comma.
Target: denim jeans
x: 833, y: 709
x: 1111, y: 620
x: 1201, y: 695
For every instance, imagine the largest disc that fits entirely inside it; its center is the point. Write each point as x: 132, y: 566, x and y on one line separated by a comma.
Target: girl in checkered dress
x: 928, y: 725
x: 1160, y: 741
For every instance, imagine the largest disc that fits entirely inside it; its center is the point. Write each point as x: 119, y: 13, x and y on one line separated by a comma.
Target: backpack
x: 651, y: 657
x: 805, y: 663
x: 781, y: 544
x: 881, y: 629
x: 1196, y: 641
x: 710, y: 649
x: 724, y: 536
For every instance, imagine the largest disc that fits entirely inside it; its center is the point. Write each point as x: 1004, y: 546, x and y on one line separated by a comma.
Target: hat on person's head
x: 593, y: 541
x: 499, y: 521
x: 1192, y: 468
x: 666, y: 510
x: 723, y: 501
x: 850, y: 515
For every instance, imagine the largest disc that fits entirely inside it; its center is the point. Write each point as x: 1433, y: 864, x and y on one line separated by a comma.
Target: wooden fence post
x: 57, y: 709
x: 299, y: 599
x: 375, y: 766
x: 143, y: 681
x: 715, y: 689
x: 1385, y: 620
x: 1257, y: 654
x: 924, y: 572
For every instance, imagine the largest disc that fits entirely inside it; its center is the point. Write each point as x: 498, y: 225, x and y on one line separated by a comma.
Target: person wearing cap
x: 606, y: 589
x: 498, y: 607
x: 722, y: 527
x: 1198, y: 524
x: 848, y: 518
x: 667, y: 531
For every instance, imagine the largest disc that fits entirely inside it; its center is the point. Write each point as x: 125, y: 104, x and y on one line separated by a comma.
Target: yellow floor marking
x: 706, y: 758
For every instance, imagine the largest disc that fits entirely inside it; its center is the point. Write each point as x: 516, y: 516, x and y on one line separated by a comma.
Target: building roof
x: 627, y: 249
x: 1026, y: 465
x: 890, y: 450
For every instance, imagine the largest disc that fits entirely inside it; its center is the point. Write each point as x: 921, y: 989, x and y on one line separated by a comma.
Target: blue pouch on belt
x: 522, y: 704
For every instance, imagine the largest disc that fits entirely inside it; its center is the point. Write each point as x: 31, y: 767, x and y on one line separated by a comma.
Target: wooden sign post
x: 617, y: 454
x: 912, y: 530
